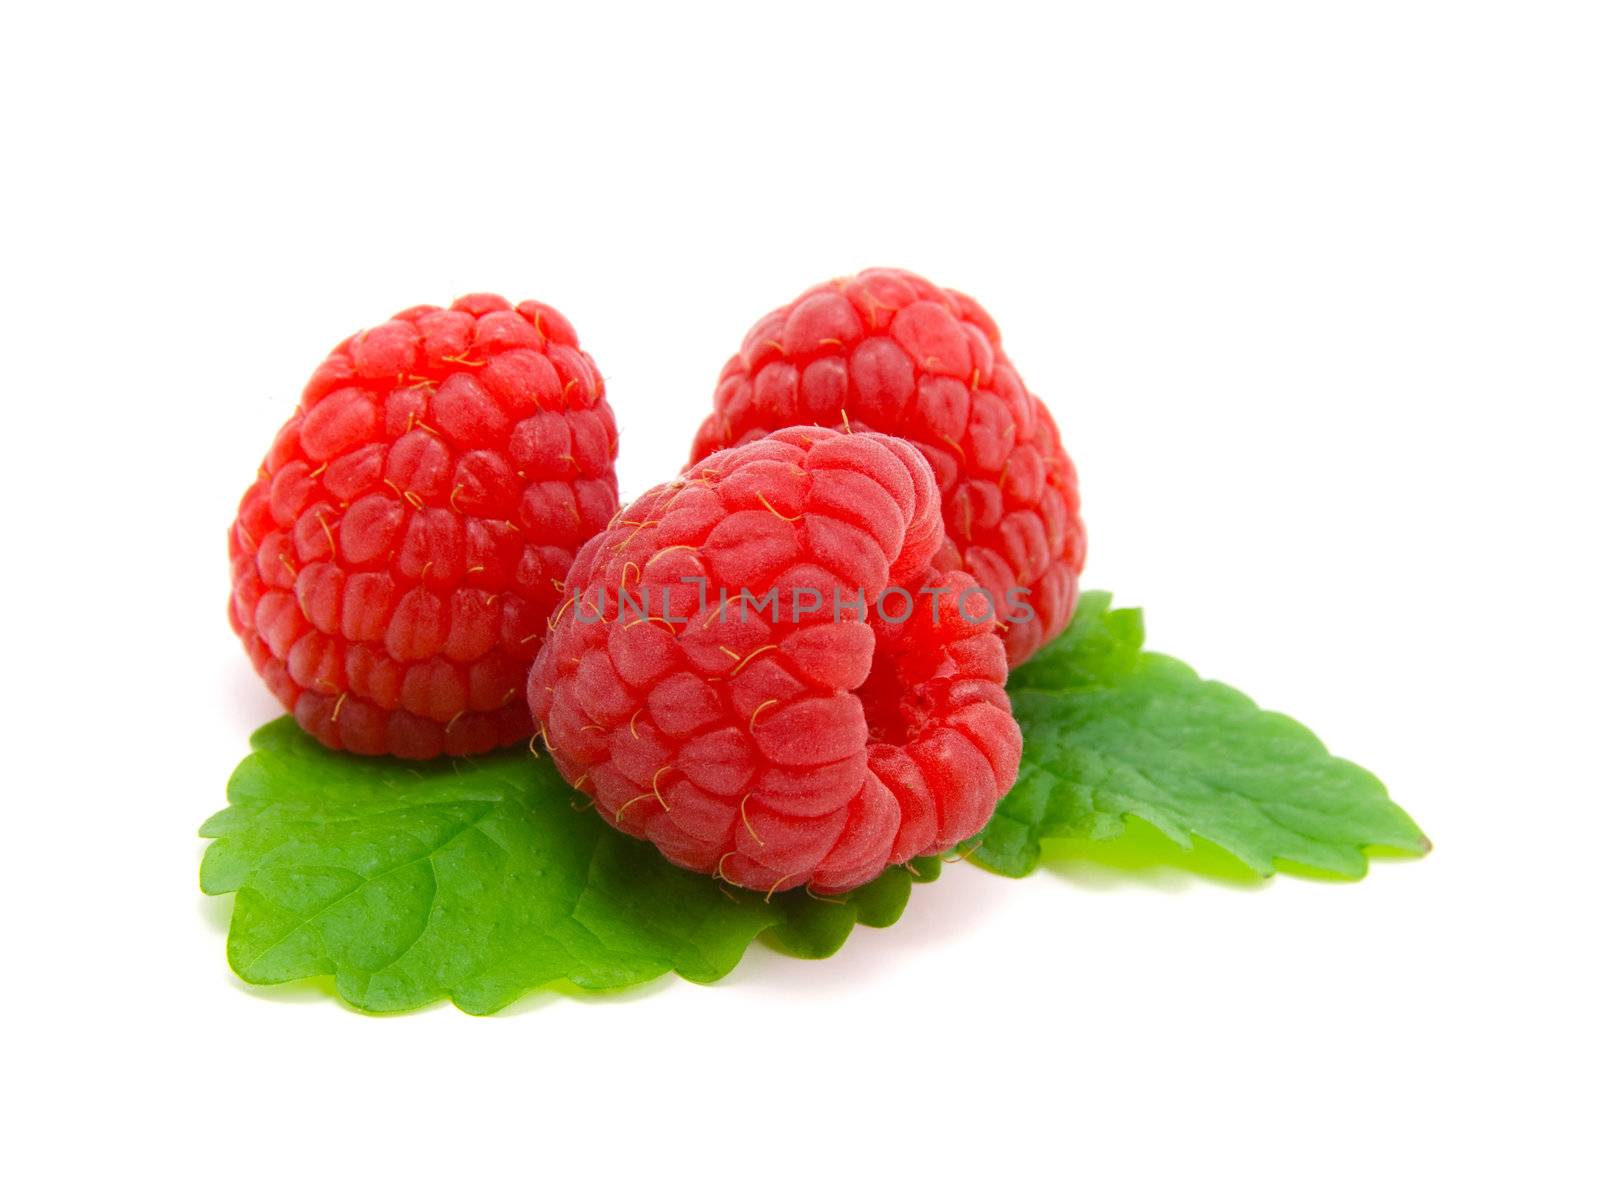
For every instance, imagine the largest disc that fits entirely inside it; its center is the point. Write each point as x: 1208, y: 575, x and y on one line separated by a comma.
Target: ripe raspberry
x: 773, y: 746
x: 889, y: 351
x: 396, y: 561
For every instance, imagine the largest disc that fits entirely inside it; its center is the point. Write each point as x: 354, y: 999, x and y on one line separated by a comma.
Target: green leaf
x: 1112, y: 731
x: 474, y: 880
x: 813, y: 928
x: 480, y: 879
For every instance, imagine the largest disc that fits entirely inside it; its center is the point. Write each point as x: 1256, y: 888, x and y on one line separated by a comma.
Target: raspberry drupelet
x: 886, y: 350
x: 757, y: 668
x: 396, y: 561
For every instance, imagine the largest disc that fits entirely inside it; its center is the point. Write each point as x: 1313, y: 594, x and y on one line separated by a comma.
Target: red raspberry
x: 773, y: 746
x: 396, y: 561
x: 889, y: 351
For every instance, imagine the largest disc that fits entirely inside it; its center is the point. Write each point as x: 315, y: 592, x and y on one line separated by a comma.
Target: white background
x: 1312, y: 291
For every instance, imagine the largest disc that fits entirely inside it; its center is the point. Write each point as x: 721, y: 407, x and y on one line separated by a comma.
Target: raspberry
x: 889, y: 351
x: 396, y: 561
x: 781, y: 738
